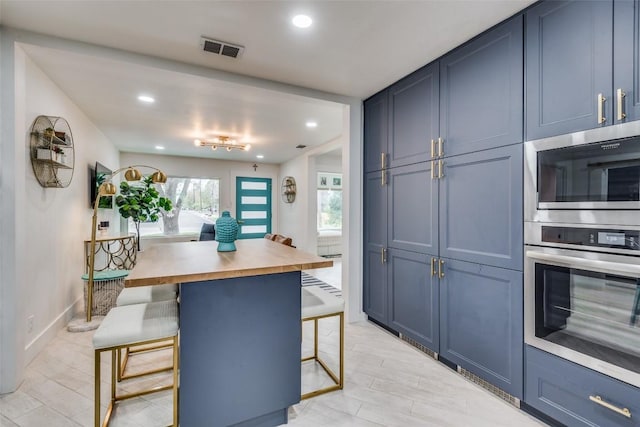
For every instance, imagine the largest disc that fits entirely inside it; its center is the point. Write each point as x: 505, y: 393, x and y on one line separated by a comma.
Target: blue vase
x: 226, y: 232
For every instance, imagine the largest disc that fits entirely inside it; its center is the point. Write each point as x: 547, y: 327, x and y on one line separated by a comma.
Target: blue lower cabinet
x: 413, y: 297
x: 577, y: 396
x: 481, y: 322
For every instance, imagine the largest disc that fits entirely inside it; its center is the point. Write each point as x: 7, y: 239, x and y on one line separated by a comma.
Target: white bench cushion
x: 318, y: 302
x: 143, y: 294
x: 130, y: 324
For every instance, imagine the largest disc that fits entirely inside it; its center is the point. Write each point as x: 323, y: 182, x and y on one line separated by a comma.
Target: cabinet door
x: 481, y: 91
x: 375, y: 130
x: 413, y: 117
x: 413, y: 209
x: 626, y: 54
x: 481, y: 207
x: 375, y: 239
x: 413, y: 297
x: 481, y: 322
x: 568, y: 63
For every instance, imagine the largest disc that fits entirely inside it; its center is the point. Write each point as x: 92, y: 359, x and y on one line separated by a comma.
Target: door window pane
x: 253, y: 215
x: 254, y: 200
x: 253, y: 185
x: 248, y: 229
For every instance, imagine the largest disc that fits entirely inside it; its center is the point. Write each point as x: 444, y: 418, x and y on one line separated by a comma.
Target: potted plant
x: 141, y: 203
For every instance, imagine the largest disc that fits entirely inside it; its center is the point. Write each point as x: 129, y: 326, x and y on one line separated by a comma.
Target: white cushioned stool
x: 319, y: 304
x: 132, y: 325
x: 140, y: 295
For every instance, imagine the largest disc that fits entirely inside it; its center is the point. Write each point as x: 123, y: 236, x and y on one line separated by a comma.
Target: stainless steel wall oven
x: 582, y: 249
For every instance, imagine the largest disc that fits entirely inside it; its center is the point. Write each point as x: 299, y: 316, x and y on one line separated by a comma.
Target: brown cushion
x: 269, y: 236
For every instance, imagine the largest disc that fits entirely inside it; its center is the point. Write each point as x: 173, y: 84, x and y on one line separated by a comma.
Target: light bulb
x: 247, y: 147
x: 214, y: 147
x: 197, y: 143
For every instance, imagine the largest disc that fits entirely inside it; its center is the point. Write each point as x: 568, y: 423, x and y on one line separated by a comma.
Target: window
x: 195, y: 201
x: 329, y: 201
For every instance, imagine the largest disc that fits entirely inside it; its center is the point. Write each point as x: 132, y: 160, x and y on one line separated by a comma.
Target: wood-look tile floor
x: 388, y: 383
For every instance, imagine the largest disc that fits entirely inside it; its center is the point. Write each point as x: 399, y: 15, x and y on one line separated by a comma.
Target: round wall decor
x: 289, y: 189
x: 52, y: 151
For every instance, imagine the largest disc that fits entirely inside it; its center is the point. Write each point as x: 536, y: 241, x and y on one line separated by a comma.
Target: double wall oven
x: 582, y: 248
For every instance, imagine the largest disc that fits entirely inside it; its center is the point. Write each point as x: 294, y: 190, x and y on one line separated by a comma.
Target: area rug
x: 309, y: 280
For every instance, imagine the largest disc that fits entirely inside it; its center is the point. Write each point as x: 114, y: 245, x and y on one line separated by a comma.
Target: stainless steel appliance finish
x: 583, y: 183
x: 584, y: 305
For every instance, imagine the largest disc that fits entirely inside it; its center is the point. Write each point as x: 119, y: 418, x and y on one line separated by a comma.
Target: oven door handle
x: 607, y: 267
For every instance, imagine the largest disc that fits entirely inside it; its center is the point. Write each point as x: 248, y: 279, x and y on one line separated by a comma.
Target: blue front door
x: 253, y: 207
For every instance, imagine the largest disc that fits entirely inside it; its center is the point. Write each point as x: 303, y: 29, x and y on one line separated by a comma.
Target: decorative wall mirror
x: 289, y: 189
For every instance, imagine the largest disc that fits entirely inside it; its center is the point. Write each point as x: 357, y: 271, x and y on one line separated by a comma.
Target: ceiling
x: 353, y: 48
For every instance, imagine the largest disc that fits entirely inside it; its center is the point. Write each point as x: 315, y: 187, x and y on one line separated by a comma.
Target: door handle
x: 433, y: 148
x: 601, y: 100
x: 433, y: 266
x: 383, y: 178
x: 383, y: 256
x: 383, y: 160
x: 433, y: 169
x: 620, y: 95
x: 440, y: 169
x: 239, y: 221
x: 440, y: 147
x: 441, y: 269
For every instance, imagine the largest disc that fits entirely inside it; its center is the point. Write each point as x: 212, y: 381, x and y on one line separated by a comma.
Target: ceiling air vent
x: 221, y: 48
x: 301, y: 146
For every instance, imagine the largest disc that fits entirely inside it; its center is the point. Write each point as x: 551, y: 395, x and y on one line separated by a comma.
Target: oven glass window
x: 593, y: 313
x: 599, y: 172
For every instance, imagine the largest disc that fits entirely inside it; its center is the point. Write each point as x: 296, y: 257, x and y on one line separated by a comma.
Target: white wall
x: 226, y: 171
x: 50, y: 224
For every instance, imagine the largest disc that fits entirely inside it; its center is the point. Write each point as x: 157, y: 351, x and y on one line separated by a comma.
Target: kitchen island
x: 239, y: 327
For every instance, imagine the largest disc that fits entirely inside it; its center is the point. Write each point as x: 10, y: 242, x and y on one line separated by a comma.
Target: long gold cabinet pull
x: 383, y: 160
x: 441, y: 269
x: 383, y: 255
x: 440, y: 169
x: 601, y: 100
x: 440, y: 147
x: 383, y: 178
x: 620, y: 96
x: 433, y: 266
x: 433, y: 169
x: 433, y: 148
x: 622, y: 411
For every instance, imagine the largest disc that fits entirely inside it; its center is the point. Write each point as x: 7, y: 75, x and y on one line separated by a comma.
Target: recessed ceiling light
x: 159, y: 147
x: 302, y: 21
x: 312, y: 124
x: 146, y: 98
x: 260, y: 156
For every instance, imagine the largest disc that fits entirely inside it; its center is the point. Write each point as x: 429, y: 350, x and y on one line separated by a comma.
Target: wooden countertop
x: 199, y: 261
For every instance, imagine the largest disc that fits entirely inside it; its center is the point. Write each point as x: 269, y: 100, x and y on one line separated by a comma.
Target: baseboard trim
x: 36, y: 345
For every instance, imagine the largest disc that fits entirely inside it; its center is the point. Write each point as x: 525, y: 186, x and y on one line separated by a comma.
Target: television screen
x: 98, y: 176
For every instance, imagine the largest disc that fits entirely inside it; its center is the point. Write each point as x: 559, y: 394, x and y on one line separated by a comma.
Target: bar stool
x: 132, y: 325
x: 142, y: 295
x: 319, y: 304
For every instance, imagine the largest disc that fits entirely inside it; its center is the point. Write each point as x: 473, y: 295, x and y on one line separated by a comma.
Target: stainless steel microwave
x: 589, y: 177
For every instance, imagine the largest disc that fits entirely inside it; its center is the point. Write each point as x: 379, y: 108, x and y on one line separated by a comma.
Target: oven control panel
x: 594, y: 237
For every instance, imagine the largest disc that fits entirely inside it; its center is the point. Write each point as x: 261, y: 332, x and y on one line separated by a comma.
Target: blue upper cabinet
x: 413, y: 117
x: 569, y: 67
x: 626, y: 66
x: 481, y: 91
x: 481, y: 207
x: 375, y: 130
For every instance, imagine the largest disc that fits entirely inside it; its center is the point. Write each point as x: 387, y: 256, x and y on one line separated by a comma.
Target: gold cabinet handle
x: 622, y: 411
x: 383, y: 256
x: 620, y: 95
x: 433, y: 266
x: 433, y: 148
x: 383, y: 178
x: 440, y: 147
x: 441, y: 269
x: 440, y: 169
x: 433, y: 169
x: 601, y: 101
x: 383, y: 160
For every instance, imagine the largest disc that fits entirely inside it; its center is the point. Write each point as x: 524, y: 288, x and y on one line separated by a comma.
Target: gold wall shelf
x: 52, y: 151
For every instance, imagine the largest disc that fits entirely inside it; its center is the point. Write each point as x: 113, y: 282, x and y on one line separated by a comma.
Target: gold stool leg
x: 175, y: 381
x: 341, y: 350
x: 96, y: 402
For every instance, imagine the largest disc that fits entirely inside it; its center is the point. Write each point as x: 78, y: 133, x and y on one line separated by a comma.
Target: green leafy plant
x: 141, y: 203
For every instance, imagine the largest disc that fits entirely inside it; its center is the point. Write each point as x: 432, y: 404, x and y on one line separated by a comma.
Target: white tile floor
x: 388, y: 383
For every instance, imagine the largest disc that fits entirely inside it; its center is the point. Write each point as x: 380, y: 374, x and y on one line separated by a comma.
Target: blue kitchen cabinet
x: 481, y: 91
x: 413, y: 117
x: 414, y: 297
x: 481, y: 322
x: 569, y: 393
x: 481, y: 207
x: 568, y: 65
x: 626, y: 56
x: 375, y: 244
x: 413, y: 208
x: 375, y: 130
